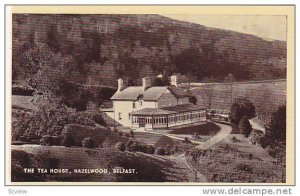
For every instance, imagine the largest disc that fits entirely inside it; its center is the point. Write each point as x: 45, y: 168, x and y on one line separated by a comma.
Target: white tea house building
x: 154, y: 106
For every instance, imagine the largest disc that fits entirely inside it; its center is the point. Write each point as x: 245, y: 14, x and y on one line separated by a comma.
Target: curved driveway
x: 222, y: 134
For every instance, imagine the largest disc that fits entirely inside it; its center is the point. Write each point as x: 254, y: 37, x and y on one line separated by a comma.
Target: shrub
x: 120, y: 133
x: 133, y: 147
x: 245, y: 126
x: 160, y: 151
x: 88, y: 142
x: 131, y: 133
x: 150, y: 149
x: 120, y: 146
x: 99, y: 119
x: 256, y: 137
x: 127, y: 135
x: 250, y: 156
x: 175, y: 148
x: 276, y: 128
x: 244, y: 168
x: 164, y: 141
x: 240, y: 108
x: 68, y: 141
x: 193, y: 99
x: 115, y: 129
x: 187, y: 141
x: 167, y: 152
x: 128, y: 143
x: 234, y: 139
x: 46, y: 140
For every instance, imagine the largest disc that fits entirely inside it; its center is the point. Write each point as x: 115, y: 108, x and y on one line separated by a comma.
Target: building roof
x: 167, y: 110
x: 151, y: 94
x: 178, y: 92
x: 152, y: 112
x: 129, y: 93
x: 183, y: 108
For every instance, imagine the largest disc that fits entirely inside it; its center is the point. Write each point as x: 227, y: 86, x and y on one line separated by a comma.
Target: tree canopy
x: 240, y: 108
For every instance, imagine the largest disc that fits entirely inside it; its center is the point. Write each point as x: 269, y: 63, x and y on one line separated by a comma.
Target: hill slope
x: 102, y: 48
x: 147, y: 169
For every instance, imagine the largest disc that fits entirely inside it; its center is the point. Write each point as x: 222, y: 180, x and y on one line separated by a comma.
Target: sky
x: 264, y: 26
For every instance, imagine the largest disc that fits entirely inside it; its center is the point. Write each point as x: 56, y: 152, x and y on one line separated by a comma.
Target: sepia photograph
x: 149, y: 98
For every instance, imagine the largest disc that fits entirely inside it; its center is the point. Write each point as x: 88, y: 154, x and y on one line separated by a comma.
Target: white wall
x: 125, y: 107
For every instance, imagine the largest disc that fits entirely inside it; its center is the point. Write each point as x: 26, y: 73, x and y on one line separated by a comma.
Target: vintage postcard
x: 150, y: 95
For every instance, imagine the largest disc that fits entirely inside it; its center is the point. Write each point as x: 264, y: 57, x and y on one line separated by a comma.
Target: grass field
x: 260, y: 93
x: 147, y: 168
x: 22, y: 102
x: 204, y: 129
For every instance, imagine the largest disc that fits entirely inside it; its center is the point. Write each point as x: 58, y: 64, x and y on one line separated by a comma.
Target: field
x: 22, y: 102
x: 147, y: 168
x: 206, y: 129
x: 268, y: 93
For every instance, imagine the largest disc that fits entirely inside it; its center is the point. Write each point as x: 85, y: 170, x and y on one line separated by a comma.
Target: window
x: 133, y: 105
x: 141, y: 103
x: 120, y: 116
x: 129, y: 116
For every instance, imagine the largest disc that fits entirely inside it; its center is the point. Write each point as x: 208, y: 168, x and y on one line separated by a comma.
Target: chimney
x: 120, y: 84
x: 146, y: 83
x: 174, y: 79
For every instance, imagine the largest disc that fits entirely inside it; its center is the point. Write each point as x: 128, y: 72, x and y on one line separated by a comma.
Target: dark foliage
x: 244, y: 168
x: 276, y: 129
x: 193, y: 99
x: 68, y: 141
x: 131, y: 133
x: 161, y: 81
x: 97, y: 118
x: 245, y: 126
x: 46, y: 140
x: 21, y: 160
x: 240, y: 108
x: 160, y: 151
x: 150, y: 149
x: 88, y: 143
x: 48, y: 120
x: 22, y: 91
x: 120, y: 146
x: 164, y: 45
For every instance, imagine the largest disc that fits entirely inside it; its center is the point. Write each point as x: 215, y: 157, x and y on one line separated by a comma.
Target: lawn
x: 163, y: 141
x: 147, y: 169
x: 237, y: 161
x: 23, y: 102
x: 257, y: 92
x: 207, y: 129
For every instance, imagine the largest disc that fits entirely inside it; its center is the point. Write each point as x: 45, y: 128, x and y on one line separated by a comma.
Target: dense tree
x: 276, y: 128
x: 68, y: 141
x: 163, y: 46
x: 193, y: 99
x: 88, y: 143
x: 240, y: 108
x: 161, y: 81
x: 245, y: 126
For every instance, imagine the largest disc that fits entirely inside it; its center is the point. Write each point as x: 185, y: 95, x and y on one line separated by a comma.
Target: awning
x: 167, y: 110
